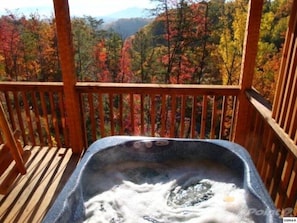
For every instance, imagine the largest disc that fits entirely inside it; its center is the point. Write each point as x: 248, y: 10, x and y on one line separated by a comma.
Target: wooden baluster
x: 10, y: 141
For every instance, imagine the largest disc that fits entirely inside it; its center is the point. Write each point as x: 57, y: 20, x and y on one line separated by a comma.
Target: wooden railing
x: 37, y: 111
x: 193, y: 111
x: 284, y: 109
x: 274, y: 154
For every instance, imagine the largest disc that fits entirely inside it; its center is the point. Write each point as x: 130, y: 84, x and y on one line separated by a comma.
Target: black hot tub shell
x: 69, y: 205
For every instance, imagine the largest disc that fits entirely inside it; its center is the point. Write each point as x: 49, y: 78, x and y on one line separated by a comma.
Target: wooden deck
x: 31, y: 195
x: 39, y: 109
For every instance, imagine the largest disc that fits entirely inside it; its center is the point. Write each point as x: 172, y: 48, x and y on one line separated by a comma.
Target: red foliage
x: 101, y: 60
x: 125, y: 75
x: 10, y: 44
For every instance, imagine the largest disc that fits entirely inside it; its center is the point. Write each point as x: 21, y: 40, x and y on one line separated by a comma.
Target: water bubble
x: 137, y: 145
x: 150, y: 219
x: 148, y: 144
x: 190, y: 195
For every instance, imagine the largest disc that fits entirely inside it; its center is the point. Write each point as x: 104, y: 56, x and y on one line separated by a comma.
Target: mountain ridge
x: 132, y: 12
x: 127, y: 22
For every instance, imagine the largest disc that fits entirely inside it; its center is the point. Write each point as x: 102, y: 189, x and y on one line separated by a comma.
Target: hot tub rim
x: 73, y: 185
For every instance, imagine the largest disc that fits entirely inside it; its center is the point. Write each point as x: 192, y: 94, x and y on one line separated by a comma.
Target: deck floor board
x: 30, y: 196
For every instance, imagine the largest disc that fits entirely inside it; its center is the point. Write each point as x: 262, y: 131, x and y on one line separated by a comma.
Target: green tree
x: 86, y: 34
x: 232, y: 38
x: 142, y: 52
x: 114, y: 45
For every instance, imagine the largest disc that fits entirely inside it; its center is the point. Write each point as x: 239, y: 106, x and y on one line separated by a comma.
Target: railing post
x: 247, y: 68
x: 66, y: 55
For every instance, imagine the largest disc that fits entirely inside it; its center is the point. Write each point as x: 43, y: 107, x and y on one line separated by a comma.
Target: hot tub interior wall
x: 190, y: 151
x: 106, y: 152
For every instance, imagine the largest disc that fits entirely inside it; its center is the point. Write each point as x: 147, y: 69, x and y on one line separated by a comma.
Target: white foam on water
x: 159, y: 193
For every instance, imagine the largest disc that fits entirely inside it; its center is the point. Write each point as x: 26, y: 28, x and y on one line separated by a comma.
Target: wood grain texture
x: 31, y: 195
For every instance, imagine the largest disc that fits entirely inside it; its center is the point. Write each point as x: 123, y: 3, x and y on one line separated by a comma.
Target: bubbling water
x: 170, y: 192
x: 190, y: 195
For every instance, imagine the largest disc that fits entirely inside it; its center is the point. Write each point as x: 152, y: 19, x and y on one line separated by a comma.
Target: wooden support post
x: 66, y: 55
x: 247, y: 68
x: 10, y: 142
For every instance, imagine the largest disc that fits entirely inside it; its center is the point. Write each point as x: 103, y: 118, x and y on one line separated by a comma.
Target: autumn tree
x: 29, y: 49
x: 272, y: 34
x: 10, y: 46
x: 125, y: 75
x: 50, y: 69
x: 189, y: 41
x: 184, y: 26
x: 39, y: 50
x: 100, y: 56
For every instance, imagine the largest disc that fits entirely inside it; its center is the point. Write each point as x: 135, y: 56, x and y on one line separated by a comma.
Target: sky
x: 95, y: 8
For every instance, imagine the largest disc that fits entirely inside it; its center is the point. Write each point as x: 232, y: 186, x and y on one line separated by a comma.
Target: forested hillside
x: 127, y: 27
x: 189, y: 42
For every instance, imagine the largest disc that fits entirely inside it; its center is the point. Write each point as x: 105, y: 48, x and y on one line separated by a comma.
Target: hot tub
x: 143, y: 179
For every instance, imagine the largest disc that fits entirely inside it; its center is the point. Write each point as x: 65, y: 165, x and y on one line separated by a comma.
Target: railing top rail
x: 266, y: 113
x: 31, y: 86
x: 139, y: 88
